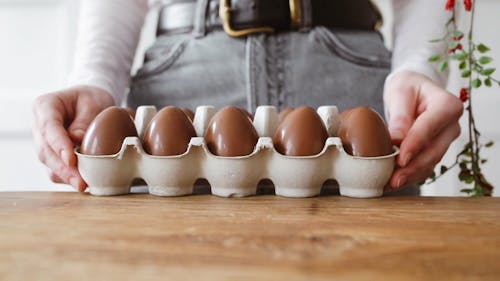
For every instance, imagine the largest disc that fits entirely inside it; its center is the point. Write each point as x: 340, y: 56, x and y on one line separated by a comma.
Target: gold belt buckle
x: 225, y: 14
x: 295, y: 13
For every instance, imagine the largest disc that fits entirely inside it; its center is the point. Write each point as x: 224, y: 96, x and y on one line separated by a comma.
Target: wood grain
x: 71, y: 236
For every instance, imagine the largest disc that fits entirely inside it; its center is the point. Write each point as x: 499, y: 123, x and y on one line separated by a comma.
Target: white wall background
x: 36, y: 55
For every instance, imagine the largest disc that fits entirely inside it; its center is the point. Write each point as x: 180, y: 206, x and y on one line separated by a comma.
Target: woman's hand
x: 61, y: 119
x: 423, y: 121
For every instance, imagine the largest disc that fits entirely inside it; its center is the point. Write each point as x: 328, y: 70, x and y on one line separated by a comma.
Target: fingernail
x: 397, y: 134
x: 75, y: 182
x: 401, y: 181
x: 65, y: 156
x: 78, y: 133
x: 407, y: 159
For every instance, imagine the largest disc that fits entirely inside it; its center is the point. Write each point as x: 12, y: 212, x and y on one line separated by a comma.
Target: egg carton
x: 292, y: 176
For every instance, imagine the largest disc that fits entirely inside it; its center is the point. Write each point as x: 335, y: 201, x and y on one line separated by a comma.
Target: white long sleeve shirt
x: 109, y: 32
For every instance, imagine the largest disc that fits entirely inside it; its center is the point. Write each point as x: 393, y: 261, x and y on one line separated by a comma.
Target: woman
x: 331, y: 53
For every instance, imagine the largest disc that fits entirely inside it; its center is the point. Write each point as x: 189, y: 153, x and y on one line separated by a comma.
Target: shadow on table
x: 266, y: 187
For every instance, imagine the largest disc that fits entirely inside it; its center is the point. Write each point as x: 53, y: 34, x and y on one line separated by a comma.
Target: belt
x: 243, y: 17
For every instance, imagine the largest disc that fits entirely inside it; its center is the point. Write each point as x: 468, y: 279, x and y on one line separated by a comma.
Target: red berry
x: 464, y: 94
x: 486, y: 185
x: 468, y: 5
x: 450, y: 4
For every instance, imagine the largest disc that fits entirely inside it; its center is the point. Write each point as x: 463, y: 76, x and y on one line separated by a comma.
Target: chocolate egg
x: 301, y: 133
x: 130, y: 111
x: 284, y: 113
x: 248, y: 114
x: 364, y: 133
x: 168, y: 133
x: 231, y: 133
x: 189, y: 113
x: 106, y: 133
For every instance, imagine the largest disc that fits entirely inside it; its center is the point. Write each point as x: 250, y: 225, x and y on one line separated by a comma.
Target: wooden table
x: 68, y: 236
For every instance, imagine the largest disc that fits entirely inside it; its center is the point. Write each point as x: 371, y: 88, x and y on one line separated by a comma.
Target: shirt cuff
x: 100, y: 81
x: 423, y: 67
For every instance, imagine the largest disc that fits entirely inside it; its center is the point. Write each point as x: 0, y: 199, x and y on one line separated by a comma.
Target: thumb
x: 80, y: 124
x: 401, y: 108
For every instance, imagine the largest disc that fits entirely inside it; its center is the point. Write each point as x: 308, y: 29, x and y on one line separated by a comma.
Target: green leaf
x: 453, y: 45
x: 443, y: 169
x: 476, y: 83
x: 465, y: 177
x: 482, y: 48
x: 435, y: 58
x: 465, y: 154
x: 436, y: 40
x: 487, y: 71
x: 443, y: 66
x: 456, y: 33
x: 489, y: 144
x: 467, y: 146
x: 485, y: 60
x: 487, y: 82
x: 463, y: 166
x: 466, y: 73
x: 462, y: 65
x: 466, y: 190
x: 459, y: 56
x: 465, y: 150
x: 484, y: 161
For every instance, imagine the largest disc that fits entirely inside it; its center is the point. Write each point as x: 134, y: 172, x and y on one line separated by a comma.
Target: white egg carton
x: 292, y: 176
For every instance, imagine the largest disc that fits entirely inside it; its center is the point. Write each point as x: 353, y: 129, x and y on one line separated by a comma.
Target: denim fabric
x: 320, y: 67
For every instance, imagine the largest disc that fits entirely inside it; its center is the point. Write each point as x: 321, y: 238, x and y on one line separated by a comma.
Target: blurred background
x: 36, y: 54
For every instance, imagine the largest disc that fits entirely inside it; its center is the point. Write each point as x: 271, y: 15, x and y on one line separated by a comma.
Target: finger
x: 59, y: 141
x: 55, y: 178
x: 423, y: 174
x: 401, y: 114
x: 422, y: 166
x: 83, y: 118
x: 59, y: 173
x: 66, y: 174
x: 38, y: 140
x: 49, y: 118
x: 438, y: 114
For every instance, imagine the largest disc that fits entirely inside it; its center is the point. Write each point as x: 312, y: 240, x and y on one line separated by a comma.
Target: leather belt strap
x: 306, y: 14
x: 179, y: 16
x: 176, y: 17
